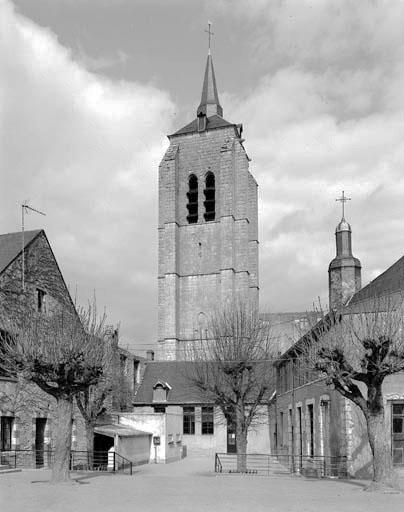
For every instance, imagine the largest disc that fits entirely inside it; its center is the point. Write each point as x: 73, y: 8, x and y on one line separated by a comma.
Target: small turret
x: 344, y: 271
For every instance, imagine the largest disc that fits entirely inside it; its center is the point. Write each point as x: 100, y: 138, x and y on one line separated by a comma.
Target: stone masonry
x: 206, y: 265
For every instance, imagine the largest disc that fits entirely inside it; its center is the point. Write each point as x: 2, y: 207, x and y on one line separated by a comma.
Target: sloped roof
x: 11, y: 246
x: 120, y: 430
x: 173, y: 373
x: 212, y: 122
x: 390, y: 281
x: 178, y: 374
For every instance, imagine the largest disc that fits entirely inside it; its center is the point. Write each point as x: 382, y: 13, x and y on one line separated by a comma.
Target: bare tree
x: 62, y: 354
x: 233, y: 369
x: 111, y: 390
x: 356, y: 350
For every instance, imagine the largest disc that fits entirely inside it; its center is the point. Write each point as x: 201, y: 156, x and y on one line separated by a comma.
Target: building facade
x: 26, y: 412
x: 185, y: 421
x: 309, y: 418
x: 208, y: 225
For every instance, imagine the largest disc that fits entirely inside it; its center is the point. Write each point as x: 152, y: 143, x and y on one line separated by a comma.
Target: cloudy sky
x: 90, y: 88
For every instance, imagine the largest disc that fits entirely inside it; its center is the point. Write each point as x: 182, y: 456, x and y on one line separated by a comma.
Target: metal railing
x: 26, y: 459
x: 318, y: 466
x: 100, y: 461
x: 79, y: 460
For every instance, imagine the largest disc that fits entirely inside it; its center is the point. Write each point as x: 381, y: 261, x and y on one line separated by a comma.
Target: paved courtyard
x: 188, y: 485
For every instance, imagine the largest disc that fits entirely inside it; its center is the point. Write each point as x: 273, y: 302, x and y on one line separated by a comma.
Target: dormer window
x: 160, y: 391
x: 201, y: 122
x: 209, y: 192
x: 192, y: 195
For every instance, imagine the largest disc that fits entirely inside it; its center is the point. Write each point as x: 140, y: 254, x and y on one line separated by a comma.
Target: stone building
x: 208, y: 239
x: 311, y: 419
x: 25, y: 410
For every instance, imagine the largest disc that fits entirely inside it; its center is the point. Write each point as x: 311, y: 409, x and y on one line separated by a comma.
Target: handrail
x: 124, y: 462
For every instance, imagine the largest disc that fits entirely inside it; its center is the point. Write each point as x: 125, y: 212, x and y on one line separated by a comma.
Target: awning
x: 120, y: 430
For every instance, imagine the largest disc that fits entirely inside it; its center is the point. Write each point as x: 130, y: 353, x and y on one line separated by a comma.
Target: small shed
x: 131, y: 443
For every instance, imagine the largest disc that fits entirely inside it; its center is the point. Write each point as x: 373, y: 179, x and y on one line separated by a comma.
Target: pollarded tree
x: 356, y: 350
x: 61, y: 353
x: 233, y: 369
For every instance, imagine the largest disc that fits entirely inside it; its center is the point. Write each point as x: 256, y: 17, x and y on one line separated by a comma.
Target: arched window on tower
x: 192, y: 195
x: 209, y: 196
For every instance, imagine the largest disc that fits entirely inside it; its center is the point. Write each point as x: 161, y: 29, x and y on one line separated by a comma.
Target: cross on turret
x: 210, y: 33
x: 343, y: 200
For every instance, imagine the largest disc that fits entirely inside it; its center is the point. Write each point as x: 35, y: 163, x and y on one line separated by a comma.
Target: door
x: 40, y: 424
x: 397, y: 432
x: 231, y: 437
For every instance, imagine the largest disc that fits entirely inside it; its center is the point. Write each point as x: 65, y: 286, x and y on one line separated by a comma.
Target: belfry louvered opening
x: 192, y: 195
x: 209, y: 192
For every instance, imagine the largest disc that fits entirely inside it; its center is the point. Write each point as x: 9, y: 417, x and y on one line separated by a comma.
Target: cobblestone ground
x: 188, y: 485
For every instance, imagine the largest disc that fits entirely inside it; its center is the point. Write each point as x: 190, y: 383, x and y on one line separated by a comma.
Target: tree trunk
x: 90, y: 444
x: 383, y: 471
x: 241, y: 442
x: 63, y: 440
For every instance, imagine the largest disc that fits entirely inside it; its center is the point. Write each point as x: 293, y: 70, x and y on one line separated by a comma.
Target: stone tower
x: 344, y: 271
x: 208, y: 236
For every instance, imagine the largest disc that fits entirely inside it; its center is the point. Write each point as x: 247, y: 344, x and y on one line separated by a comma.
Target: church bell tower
x: 344, y: 271
x: 208, y: 225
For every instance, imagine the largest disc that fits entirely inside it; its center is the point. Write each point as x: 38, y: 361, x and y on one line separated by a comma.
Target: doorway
x: 101, y: 446
x: 40, y: 424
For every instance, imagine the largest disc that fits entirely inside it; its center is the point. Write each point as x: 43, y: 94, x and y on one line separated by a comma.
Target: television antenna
x: 25, y: 209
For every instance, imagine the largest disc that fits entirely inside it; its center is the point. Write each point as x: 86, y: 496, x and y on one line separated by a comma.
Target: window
x: 207, y: 420
x: 209, y: 192
x: 40, y: 300
x: 6, y: 428
x: 189, y: 420
x: 160, y: 409
x: 281, y: 426
x: 192, y: 195
x: 310, y: 411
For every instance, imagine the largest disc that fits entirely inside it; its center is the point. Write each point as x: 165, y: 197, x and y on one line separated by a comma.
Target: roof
x: 11, y: 246
x: 390, y: 281
x: 212, y: 122
x: 177, y: 374
x: 174, y: 373
x: 120, y: 430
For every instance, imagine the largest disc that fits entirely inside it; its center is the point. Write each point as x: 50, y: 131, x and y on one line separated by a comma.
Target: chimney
x: 150, y: 355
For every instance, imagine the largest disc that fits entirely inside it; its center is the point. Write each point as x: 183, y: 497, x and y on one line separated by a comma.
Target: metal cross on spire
x: 209, y: 32
x: 343, y: 200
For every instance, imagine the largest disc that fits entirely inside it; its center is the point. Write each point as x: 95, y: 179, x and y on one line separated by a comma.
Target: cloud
x: 101, y: 63
x: 85, y: 150
x: 326, y: 115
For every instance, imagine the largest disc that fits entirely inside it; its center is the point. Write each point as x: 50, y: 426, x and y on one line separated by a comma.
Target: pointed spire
x: 209, y: 105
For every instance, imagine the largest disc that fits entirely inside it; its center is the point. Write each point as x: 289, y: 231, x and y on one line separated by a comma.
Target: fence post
x: 325, y: 467
x: 15, y: 459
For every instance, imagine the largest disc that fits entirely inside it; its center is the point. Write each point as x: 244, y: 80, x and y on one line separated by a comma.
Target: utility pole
x: 25, y: 209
